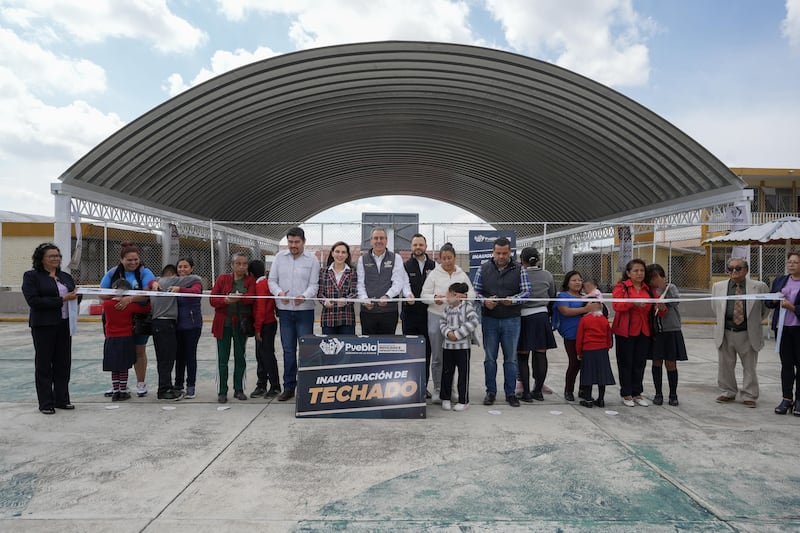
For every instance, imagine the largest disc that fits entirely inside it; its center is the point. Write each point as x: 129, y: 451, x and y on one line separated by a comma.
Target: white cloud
x: 317, y: 23
x: 222, y: 61
x: 762, y: 135
x: 791, y: 24
x: 42, y: 71
x: 92, y: 22
x: 38, y: 140
x: 601, y: 39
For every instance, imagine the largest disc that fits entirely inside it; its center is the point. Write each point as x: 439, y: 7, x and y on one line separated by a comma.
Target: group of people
x: 515, y: 304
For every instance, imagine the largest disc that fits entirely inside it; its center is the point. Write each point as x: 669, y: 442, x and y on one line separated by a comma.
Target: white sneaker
x: 461, y: 407
x: 437, y: 396
x: 629, y: 403
x: 141, y: 389
x: 446, y: 405
x: 641, y: 401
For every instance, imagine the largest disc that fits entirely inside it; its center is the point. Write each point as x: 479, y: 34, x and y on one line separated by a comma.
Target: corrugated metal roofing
x: 776, y: 232
x: 504, y: 136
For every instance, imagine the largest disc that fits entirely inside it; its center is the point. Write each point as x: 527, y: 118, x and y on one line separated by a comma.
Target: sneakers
x: 110, y: 392
x: 629, y: 402
x: 272, y: 392
x: 115, y: 396
x: 258, y: 392
x: 489, y: 399
x: 461, y: 407
x: 189, y: 393
x: 587, y: 403
x: 513, y: 401
x: 446, y: 405
x: 641, y: 401
x: 141, y: 389
x: 240, y: 395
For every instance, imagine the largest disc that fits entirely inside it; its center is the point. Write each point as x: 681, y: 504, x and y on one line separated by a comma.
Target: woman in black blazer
x: 47, y: 290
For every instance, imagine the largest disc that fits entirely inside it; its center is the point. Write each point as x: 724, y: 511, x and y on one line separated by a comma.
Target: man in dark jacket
x: 501, y: 285
x: 415, y: 317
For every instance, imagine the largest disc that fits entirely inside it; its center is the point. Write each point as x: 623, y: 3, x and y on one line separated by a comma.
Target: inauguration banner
x: 481, y: 243
x: 351, y: 376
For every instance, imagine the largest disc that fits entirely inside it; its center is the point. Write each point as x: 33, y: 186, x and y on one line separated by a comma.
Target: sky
x: 72, y: 72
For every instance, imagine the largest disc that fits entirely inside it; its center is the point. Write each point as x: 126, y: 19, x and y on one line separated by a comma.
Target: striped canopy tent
x: 781, y: 231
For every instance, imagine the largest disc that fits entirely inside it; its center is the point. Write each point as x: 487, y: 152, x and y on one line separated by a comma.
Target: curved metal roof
x: 501, y: 135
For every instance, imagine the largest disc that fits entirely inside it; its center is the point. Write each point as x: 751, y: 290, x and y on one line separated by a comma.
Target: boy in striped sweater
x: 458, y: 325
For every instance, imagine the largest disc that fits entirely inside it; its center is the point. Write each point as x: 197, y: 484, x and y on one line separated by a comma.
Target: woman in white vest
x: 434, y: 293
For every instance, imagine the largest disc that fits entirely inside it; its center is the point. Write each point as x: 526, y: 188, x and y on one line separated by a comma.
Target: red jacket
x: 222, y: 287
x: 629, y: 320
x: 594, y: 333
x: 119, y: 322
x: 263, y: 308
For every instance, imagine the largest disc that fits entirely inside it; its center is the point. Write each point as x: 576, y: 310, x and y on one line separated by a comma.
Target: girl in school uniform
x: 119, y: 349
x: 668, y: 344
x: 592, y: 344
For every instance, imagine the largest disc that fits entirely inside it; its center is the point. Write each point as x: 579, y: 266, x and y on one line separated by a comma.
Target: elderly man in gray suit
x: 738, y: 332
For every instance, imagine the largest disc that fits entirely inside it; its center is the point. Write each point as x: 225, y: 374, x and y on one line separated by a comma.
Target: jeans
x: 435, y: 337
x: 417, y: 324
x: 165, y: 341
x: 499, y: 332
x: 293, y: 324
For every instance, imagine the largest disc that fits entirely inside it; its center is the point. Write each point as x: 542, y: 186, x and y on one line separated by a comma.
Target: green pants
x: 223, y: 356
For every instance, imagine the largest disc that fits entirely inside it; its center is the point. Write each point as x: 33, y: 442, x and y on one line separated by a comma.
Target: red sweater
x: 222, y: 287
x: 594, y: 333
x: 119, y: 322
x: 630, y: 320
x: 263, y: 308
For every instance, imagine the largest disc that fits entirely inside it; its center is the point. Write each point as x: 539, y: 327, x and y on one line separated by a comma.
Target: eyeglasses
x: 736, y: 268
x: 53, y: 256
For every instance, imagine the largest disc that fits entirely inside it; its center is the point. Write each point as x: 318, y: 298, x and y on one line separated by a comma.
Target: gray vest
x: 378, y: 283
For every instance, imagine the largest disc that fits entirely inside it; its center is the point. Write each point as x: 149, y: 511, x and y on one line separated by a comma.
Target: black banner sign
x: 361, y: 377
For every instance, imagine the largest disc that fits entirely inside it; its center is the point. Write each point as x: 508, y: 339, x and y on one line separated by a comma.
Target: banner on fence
x: 625, y: 236
x: 481, y: 243
x: 739, y: 219
x: 361, y: 377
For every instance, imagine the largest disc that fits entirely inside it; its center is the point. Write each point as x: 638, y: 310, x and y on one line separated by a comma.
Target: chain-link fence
x: 598, y: 252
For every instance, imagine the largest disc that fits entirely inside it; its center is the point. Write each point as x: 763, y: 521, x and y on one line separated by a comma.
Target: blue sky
x: 727, y: 71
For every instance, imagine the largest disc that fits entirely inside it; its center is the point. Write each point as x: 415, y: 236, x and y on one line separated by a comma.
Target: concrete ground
x: 547, y: 466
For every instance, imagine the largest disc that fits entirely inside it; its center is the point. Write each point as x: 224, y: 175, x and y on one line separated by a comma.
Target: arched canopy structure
x: 501, y: 135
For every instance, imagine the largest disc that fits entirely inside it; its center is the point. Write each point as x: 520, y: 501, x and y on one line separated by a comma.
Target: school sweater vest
x: 501, y: 283
x: 377, y: 283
